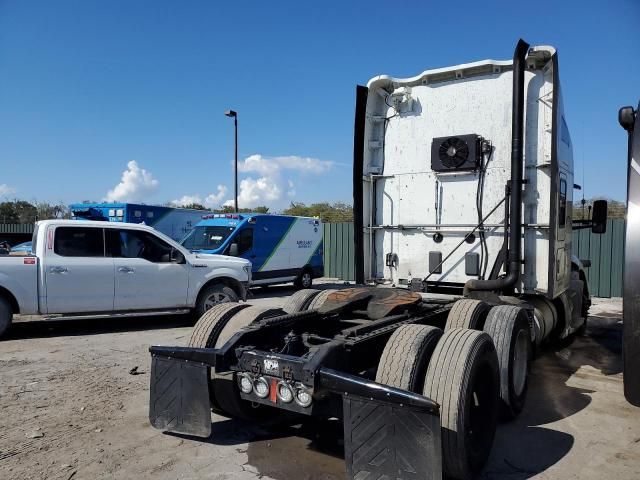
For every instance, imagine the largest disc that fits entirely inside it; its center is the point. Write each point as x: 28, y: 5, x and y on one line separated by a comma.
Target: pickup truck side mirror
x: 177, y: 256
x: 233, y: 250
x: 599, y: 217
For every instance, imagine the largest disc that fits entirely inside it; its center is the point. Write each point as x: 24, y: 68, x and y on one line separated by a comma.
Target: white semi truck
x: 463, y: 181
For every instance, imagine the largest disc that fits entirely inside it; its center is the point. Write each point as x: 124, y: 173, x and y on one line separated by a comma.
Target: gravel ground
x: 71, y: 408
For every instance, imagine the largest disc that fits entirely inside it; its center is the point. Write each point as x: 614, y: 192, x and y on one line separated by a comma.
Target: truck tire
x: 299, y: 301
x: 467, y: 313
x: 463, y: 378
x: 305, y: 279
x: 225, y: 386
x: 6, y: 315
x: 205, y: 335
x: 405, y: 357
x: 508, y: 327
x: 214, y: 294
x: 319, y: 299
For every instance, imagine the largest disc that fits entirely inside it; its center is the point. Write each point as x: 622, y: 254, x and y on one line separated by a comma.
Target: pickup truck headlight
x: 247, y: 270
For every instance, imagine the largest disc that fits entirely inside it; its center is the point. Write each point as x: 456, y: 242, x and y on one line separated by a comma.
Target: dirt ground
x: 70, y: 407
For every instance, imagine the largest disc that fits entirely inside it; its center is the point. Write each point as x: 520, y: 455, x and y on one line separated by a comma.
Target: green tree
x: 331, y: 213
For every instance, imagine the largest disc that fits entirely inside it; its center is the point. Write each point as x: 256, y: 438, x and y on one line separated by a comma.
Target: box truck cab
x: 281, y: 248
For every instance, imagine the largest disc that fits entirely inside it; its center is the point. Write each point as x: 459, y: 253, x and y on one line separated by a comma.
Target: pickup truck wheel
x: 406, y: 355
x: 319, y: 299
x: 299, y: 301
x: 6, y: 316
x: 467, y: 313
x: 508, y: 326
x: 213, y: 295
x: 463, y: 378
x: 225, y: 386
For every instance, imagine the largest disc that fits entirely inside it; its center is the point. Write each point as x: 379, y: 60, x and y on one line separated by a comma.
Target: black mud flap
x: 387, y: 440
x: 179, y: 397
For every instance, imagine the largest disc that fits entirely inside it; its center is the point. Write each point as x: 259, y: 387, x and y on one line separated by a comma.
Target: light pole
x: 231, y: 113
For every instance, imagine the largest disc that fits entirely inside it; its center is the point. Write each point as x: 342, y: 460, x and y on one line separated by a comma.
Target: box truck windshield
x: 207, y: 237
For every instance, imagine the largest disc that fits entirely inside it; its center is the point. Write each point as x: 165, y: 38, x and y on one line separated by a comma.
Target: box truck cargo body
x: 173, y: 222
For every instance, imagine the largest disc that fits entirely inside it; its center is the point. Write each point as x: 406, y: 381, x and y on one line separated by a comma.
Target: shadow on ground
x: 72, y: 327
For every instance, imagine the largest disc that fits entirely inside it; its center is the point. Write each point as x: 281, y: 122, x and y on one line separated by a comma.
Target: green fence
x: 16, y: 228
x: 605, y: 251
x: 338, y: 251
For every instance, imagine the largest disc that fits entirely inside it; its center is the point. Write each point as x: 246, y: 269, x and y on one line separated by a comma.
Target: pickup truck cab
x: 97, y: 268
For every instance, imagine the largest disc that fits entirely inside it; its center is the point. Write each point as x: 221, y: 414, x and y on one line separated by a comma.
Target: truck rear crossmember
x: 378, y: 419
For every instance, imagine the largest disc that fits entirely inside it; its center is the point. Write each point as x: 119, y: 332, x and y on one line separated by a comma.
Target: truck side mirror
x: 599, y: 217
x: 233, y: 250
x: 177, y: 256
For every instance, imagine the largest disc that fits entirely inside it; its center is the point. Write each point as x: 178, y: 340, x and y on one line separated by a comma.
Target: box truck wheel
x: 508, y: 326
x: 462, y: 377
x: 405, y: 357
x: 214, y: 294
x: 467, y: 313
x: 299, y: 301
x: 205, y: 334
x: 6, y: 315
x: 305, y: 279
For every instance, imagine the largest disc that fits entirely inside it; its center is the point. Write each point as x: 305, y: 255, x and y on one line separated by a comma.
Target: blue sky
x: 88, y: 87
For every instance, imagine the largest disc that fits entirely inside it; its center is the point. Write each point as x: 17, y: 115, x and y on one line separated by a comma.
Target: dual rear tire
x: 459, y: 370
x: 213, y: 330
x: 476, y: 371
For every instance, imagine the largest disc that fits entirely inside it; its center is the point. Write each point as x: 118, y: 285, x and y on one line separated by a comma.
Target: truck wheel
x: 299, y: 301
x: 508, y: 326
x: 213, y: 295
x: 406, y: 355
x: 225, y: 386
x: 6, y: 315
x: 305, y: 279
x: 319, y: 299
x: 467, y: 313
x: 462, y: 377
x: 206, y: 332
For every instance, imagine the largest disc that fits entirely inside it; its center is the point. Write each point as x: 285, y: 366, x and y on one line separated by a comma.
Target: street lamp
x: 231, y: 113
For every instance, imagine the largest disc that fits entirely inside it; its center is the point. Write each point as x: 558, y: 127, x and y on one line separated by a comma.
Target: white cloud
x: 212, y: 200
x: 260, y: 191
x: 267, y: 165
x: 270, y: 185
x: 135, y: 185
x: 6, y: 190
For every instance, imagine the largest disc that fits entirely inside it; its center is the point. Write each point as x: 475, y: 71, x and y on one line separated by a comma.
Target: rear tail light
x: 245, y: 382
x: 261, y: 387
x: 303, y: 397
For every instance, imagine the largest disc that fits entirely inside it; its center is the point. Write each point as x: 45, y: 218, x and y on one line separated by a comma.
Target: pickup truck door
x: 78, y: 276
x: 147, y: 275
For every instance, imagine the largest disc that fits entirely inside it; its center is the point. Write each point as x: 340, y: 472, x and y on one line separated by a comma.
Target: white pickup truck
x: 102, y: 268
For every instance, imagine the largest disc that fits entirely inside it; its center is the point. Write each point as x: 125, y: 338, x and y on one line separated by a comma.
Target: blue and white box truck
x: 173, y: 222
x: 281, y: 248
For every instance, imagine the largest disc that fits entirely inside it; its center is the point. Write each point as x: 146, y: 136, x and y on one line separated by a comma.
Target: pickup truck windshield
x: 206, y: 238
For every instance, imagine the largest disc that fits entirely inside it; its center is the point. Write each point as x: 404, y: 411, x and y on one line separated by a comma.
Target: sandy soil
x: 70, y: 407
